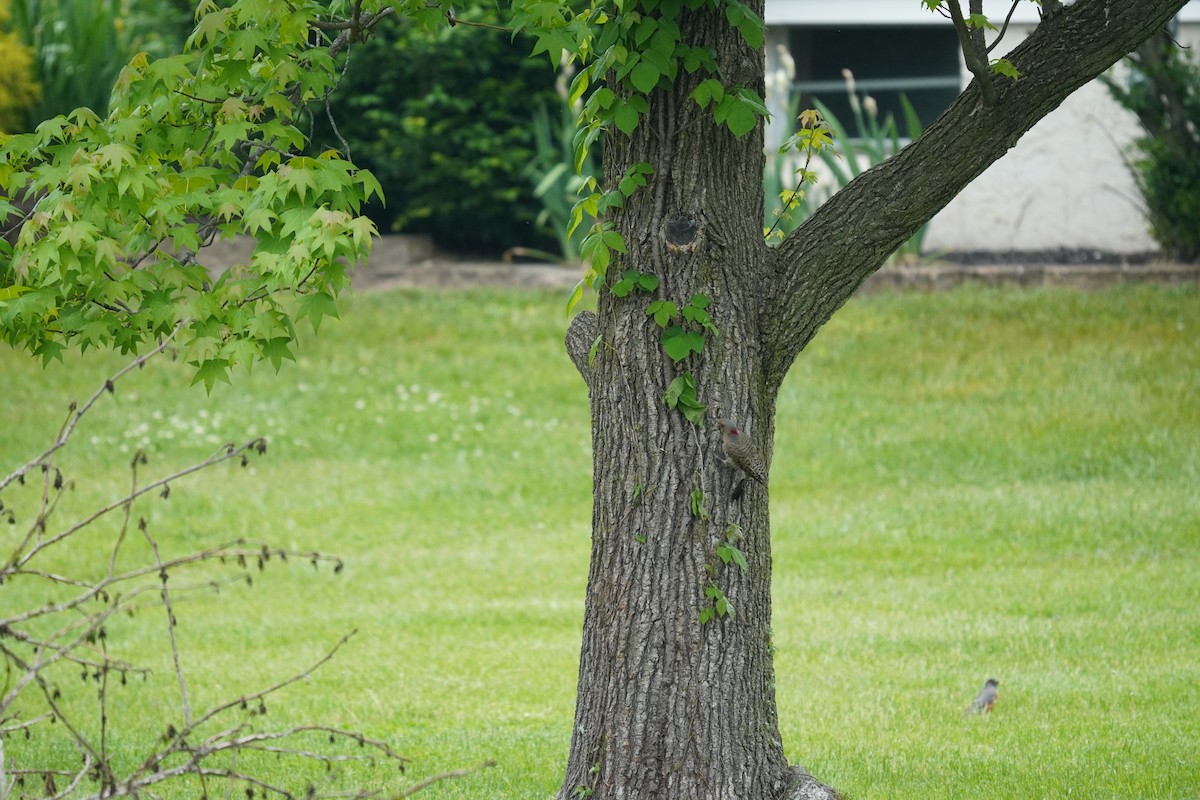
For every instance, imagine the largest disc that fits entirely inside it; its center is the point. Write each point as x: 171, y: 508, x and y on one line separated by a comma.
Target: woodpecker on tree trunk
x: 740, y: 452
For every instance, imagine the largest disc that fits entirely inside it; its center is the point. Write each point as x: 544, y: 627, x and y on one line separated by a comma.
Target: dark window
x: 920, y: 62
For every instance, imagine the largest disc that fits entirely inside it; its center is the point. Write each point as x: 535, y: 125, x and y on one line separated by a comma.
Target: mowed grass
x: 966, y: 485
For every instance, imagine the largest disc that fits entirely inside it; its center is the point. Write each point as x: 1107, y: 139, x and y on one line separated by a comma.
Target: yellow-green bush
x: 78, y: 47
x: 18, y: 90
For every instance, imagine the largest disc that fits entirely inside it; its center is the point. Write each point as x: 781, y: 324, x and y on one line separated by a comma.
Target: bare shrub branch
x: 63, y: 622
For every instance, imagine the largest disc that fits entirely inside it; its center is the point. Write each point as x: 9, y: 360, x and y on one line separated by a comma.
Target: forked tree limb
x: 817, y: 268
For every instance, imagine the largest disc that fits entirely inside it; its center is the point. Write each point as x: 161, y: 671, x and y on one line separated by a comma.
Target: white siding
x: 1064, y: 186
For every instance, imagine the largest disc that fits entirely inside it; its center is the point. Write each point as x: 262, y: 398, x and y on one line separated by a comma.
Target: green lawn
x: 981, y: 483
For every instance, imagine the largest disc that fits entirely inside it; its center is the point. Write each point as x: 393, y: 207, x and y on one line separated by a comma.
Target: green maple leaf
x: 317, y: 306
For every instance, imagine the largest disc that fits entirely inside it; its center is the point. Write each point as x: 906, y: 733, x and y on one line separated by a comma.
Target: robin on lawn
x: 986, y: 698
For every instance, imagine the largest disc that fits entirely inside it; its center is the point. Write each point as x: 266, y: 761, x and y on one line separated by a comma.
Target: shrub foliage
x: 79, y: 47
x: 18, y: 88
x: 1163, y: 89
x: 444, y: 121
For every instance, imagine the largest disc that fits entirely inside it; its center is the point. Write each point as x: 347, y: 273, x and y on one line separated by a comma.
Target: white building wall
x: 1064, y: 186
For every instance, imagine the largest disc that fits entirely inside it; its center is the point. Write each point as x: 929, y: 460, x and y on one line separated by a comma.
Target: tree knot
x: 682, y: 233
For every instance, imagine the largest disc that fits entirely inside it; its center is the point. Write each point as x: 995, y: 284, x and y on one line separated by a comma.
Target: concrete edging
x: 939, y: 277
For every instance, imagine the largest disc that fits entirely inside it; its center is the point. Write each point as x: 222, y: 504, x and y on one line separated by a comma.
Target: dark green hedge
x: 444, y: 121
x: 1163, y: 89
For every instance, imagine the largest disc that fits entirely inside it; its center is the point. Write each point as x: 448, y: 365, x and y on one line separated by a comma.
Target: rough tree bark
x: 669, y: 707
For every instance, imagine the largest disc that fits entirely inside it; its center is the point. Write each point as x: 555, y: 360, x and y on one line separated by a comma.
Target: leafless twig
x: 41, y: 639
x: 444, y: 776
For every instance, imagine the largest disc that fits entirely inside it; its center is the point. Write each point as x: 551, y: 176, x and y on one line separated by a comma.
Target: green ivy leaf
x: 663, y: 312
x: 623, y: 287
x: 699, y: 511
x: 645, y: 76
x: 681, y: 395
x: 579, y: 86
x: 632, y: 279
x: 576, y: 296
x: 601, y: 99
x: 697, y: 314
x: 591, y: 359
x: 626, y: 118
x: 613, y: 240
x: 707, y: 91
x: 682, y: 384
x: 739, y: 558
x: 679, y: 343
x: 634, y: 178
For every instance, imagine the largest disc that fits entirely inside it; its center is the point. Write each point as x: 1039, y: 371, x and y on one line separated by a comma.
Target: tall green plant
x: 18, y: 86
x: 557, y: 181
x: 80, y: 46
x: 871, y: 141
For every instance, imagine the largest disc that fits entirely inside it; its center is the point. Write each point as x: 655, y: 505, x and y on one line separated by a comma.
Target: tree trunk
x: 670, y: 707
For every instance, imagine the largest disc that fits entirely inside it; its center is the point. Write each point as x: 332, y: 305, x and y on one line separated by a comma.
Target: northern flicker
x: 986, y: 698
x: 739, y: 450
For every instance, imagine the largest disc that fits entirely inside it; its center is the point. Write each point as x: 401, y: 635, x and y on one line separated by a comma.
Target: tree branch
x: 453, y: 20
x: 581, y: 334
x: 977, y: 36
x: 75, y: 412
x: 442, y: 776
x: 1004, y: 27
x: 816, y: 269
x: 973, y: 52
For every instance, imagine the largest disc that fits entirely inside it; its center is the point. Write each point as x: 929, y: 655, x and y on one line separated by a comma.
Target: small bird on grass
x: 983, y: 702
x: 740, y: 452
